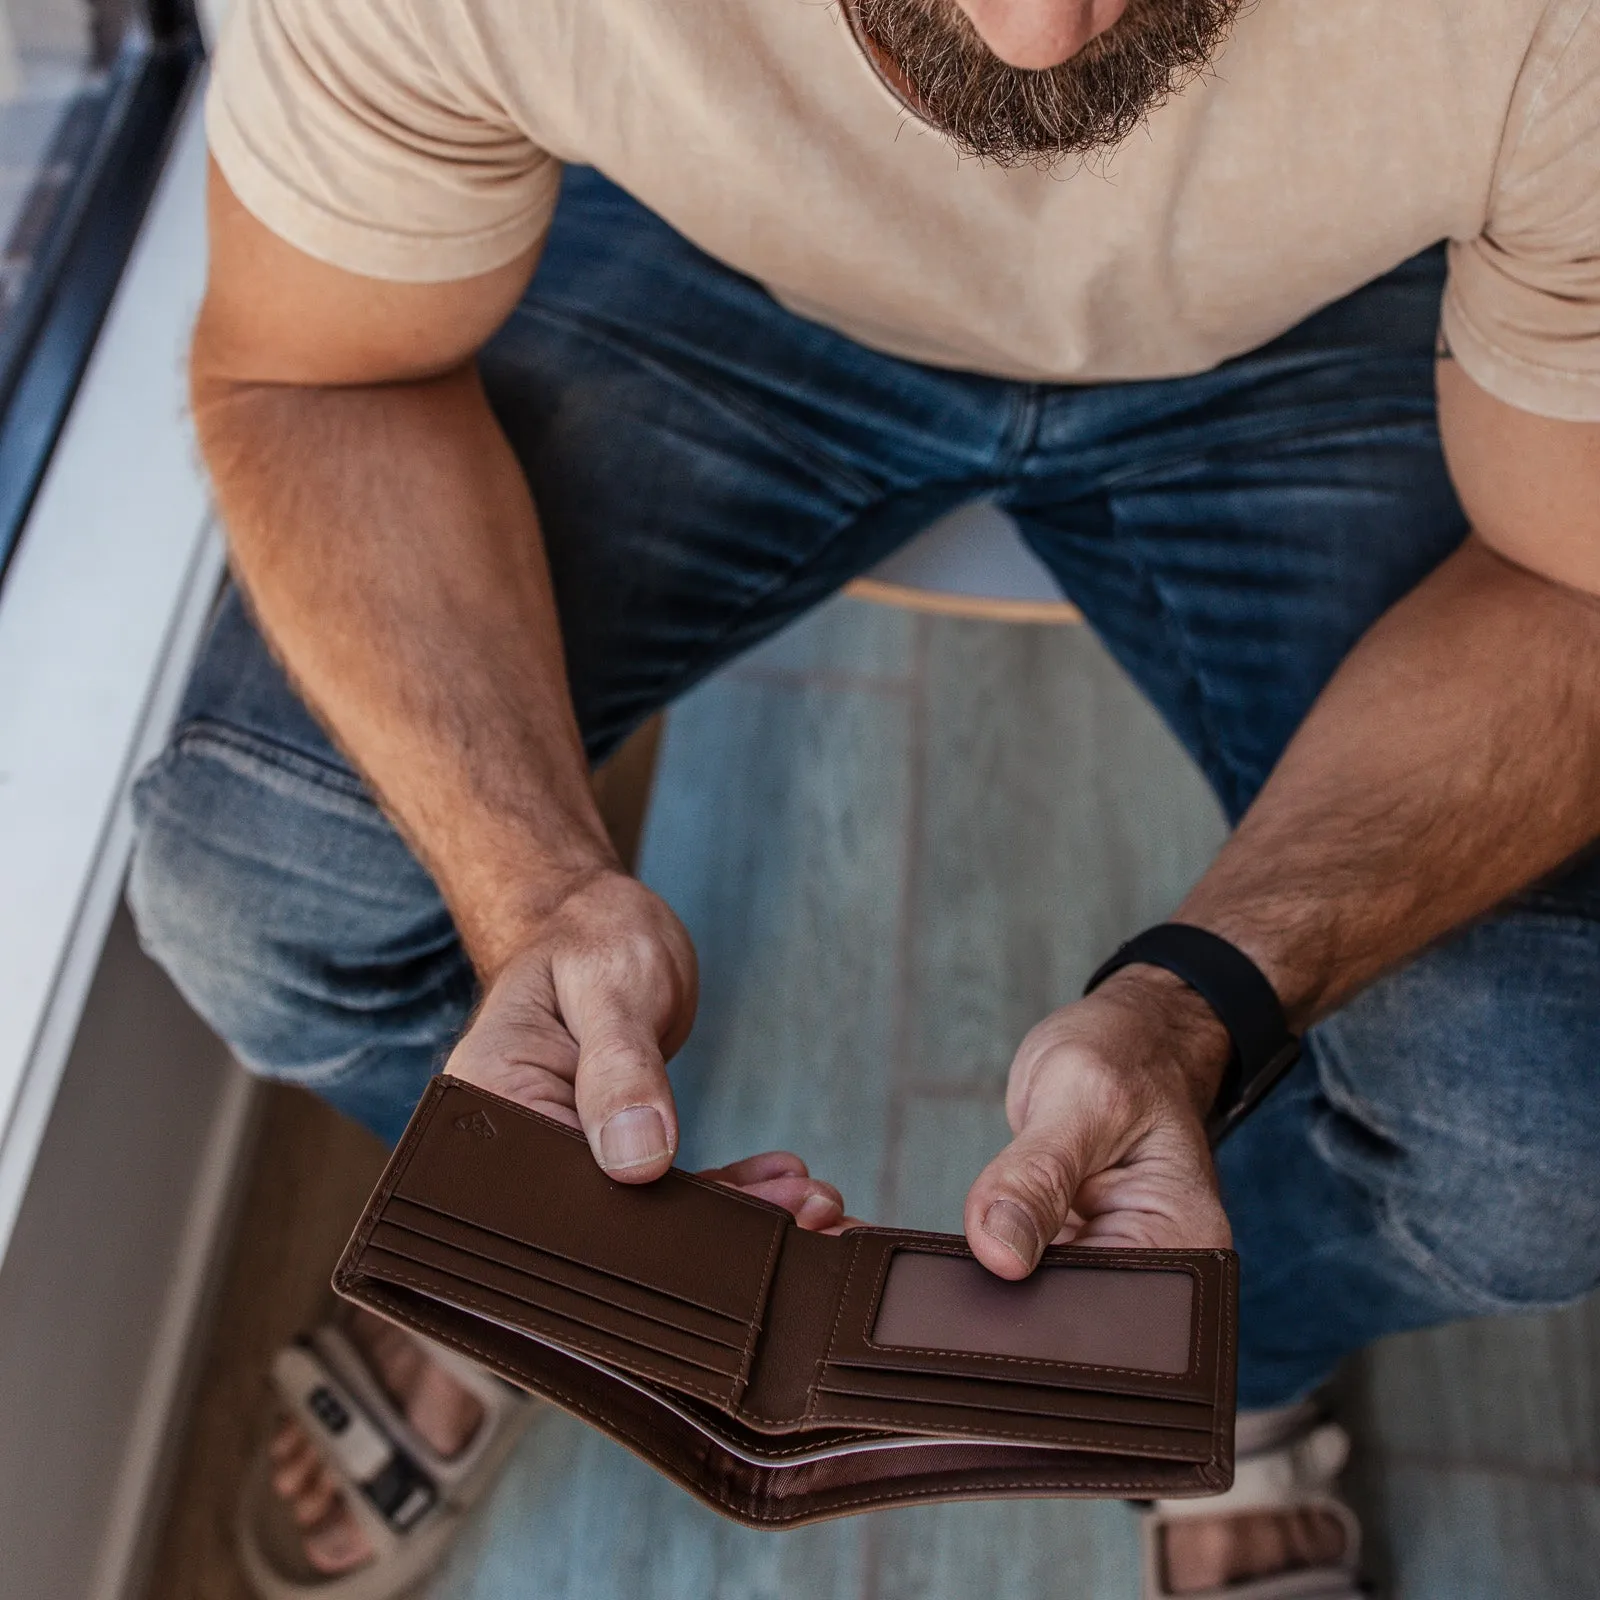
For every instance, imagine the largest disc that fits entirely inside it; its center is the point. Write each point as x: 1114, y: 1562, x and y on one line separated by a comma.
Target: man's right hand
x: 580, y: 1022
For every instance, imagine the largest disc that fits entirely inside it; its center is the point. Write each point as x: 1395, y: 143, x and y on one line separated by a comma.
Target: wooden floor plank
x: 1503, y: 1392
x: 777, y: 833
x: 1058, y: 817
x: 943, y: 1145
x: 1016, y: 1550
x: 1463, y: 1535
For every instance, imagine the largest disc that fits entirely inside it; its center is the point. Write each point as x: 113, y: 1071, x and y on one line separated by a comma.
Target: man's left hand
x: 1107, y: 1099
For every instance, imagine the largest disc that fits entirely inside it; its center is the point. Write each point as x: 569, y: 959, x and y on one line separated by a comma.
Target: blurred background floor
x: 899, y: 841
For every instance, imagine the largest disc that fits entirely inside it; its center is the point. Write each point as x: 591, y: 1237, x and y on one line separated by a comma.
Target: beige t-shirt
x: 422, y: 140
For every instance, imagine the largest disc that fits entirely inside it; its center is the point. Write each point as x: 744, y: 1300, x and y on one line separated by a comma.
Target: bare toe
x: 295, y: 1471
x: 337, y: 1544
x: 334, y: 1540
x: 316, y: 1499
x: 443, y: 1411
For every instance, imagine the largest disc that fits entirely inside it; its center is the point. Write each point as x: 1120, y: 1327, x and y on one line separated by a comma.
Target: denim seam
x: 204, y: 734
x: 1220, y: 443
x: 1346, y: 1102
x: 620, y: 341
x: 1186, y: 655
x: 1020, y: 436
x: 1458, y: 1291
x: 353, y: 1062
x: 1333, y: 1080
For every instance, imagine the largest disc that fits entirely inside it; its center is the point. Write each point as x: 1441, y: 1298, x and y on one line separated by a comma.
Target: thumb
x: 1020, y: 1201
x: 624, y: 1098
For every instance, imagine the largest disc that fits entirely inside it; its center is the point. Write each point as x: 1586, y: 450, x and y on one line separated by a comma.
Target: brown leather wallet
x: 785, y: 1376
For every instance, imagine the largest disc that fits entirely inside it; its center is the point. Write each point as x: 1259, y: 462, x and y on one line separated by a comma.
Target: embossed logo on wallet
x: 478, y: 1125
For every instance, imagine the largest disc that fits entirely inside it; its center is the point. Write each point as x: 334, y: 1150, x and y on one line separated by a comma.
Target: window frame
x: 53, y: 328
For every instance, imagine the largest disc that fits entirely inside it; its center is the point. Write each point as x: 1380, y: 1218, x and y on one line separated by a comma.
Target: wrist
x: 1178, y: 1025
x: 501, y: 910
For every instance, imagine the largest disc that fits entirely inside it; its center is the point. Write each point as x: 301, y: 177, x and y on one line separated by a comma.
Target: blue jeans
x: 708, y: 465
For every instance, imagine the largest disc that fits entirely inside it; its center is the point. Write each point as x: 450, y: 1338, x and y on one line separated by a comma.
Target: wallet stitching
x: 549, y: 1310
x: 457, y: 1340
x: 833, y: 1332
x: 563, y: 1257
x: 880, y: 1497
x: 398, y: 1163
x: 443, y: 1084
x: 763, y: 1297
x: 1198, y: 1321
x: 1205, y: 1425
x: 528, y: 1276
x: 1226, y: 1335
x: 717, y: 1397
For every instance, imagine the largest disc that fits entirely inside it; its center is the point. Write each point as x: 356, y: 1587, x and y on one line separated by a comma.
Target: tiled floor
x: 898, y: 842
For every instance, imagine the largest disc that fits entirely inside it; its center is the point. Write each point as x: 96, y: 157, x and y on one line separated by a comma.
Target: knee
x: 287, y: 911
x: 187, y: 888
x: 1461, y: 1095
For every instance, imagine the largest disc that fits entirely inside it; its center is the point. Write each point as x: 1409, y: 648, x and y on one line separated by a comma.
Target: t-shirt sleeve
x: 362, y: 132
x: 1522, y: 310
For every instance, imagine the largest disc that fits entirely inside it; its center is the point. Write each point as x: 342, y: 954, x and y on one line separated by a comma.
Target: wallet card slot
x: 544, y: 1326
x: 493, y: 1164
x: 1175, y: 1421
x: 583, y: 1317
x: 487, y: 1245
x: 931, y: 1418
x: 1038, y: 1375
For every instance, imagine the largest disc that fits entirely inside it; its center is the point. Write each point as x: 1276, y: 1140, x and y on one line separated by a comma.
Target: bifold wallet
x: 785, y: 1376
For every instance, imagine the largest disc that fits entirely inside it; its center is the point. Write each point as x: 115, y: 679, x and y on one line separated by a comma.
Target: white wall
x: 107, y: 1277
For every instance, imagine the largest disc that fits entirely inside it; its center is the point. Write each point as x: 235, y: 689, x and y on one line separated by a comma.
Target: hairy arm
x: 387, y: 542
x: 1456, y: 752
x: 385, y: 536
x: 1453, y: 758
x: 1455, y: 755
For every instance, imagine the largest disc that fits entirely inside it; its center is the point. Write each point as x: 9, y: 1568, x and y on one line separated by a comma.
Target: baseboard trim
x: 149, y: 1461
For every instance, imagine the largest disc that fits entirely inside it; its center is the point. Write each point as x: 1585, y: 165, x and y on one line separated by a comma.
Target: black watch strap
x: 1246, y: 1004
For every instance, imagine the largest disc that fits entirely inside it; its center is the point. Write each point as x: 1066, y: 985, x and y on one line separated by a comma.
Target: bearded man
x: 1277, y: 331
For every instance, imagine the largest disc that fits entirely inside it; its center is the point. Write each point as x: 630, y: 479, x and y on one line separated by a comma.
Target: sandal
x: 1294, y: 1472
x: 409, y: 1500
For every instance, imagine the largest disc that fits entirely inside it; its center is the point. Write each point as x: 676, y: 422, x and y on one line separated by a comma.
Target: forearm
x: 1453, y: 758
x: 389, y: 547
